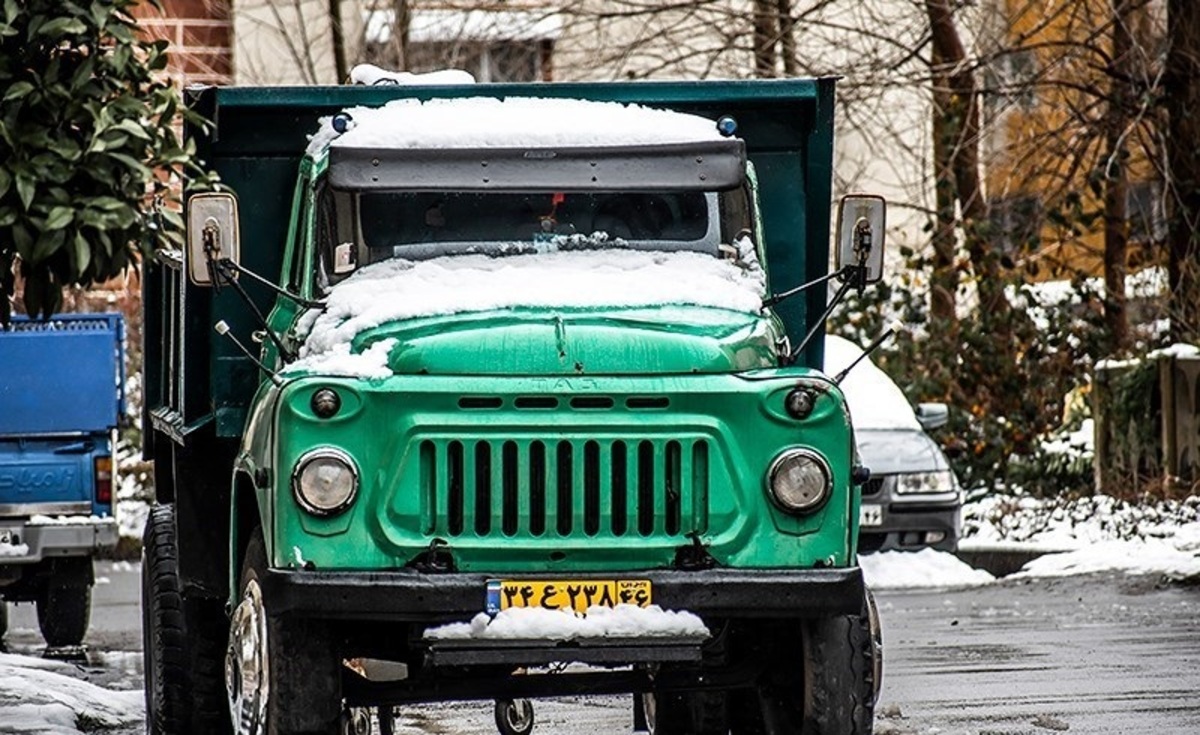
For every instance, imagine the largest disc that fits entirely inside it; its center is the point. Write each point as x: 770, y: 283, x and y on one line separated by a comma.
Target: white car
x: 913, y: 499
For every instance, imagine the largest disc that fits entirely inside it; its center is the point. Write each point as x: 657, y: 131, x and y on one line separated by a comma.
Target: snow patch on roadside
x: 622, y: 621
x: 37, y: 696
x: 895, y: 570
x: 1091, y: 534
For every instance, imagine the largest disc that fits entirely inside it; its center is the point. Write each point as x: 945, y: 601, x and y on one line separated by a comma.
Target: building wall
x: 201, y: 36
x: 1048, y: 100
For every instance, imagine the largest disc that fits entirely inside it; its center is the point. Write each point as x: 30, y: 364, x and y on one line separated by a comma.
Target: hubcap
x: 246, y: 663
x: 518, y: 715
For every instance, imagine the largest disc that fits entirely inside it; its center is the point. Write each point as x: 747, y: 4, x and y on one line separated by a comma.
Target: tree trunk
x: 1116, y: 179
x: 1182, y: 83
x: 765, y: 36
x: 339, y: 40
x: 944, y: 281
x: 400, y: 23
x: 962, y: 119
x: 787, y: 38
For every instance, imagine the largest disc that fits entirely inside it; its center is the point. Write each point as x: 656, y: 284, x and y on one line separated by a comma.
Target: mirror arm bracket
x: 225, y: 269
x: 777, y: 298
x: 226, y: 263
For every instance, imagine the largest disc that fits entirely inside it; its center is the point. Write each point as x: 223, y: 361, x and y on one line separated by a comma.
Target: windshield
x: 359, y: 228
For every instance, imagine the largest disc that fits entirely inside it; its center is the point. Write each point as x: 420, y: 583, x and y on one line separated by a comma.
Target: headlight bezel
x: 821, y: 463
x: 305, y: 461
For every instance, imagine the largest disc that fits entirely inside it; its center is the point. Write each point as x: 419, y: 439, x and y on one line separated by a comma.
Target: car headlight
x: 925, y: 483
x: 325, y: 481
x: 800, y: 480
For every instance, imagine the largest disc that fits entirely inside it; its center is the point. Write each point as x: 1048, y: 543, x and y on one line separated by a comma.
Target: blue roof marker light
x: 342, y: 122
x: 726, y: 125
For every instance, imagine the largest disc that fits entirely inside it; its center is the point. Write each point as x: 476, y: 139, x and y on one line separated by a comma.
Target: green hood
x: 675, y: 339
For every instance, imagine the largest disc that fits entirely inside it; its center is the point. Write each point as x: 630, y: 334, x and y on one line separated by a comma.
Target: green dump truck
x: 454, y: 385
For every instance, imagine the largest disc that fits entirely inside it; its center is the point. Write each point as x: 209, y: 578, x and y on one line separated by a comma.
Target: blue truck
x: 62, y: 393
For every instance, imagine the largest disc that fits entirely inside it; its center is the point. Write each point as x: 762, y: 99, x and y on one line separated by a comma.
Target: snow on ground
x: 1087, y: 535
x: 39, y: 696
x: 622, y: 621
x: 1090, y: 534
x: 892, y: 570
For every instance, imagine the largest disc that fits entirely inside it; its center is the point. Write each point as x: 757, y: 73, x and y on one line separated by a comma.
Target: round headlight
x: 325, y: 481
x: 800, y: 480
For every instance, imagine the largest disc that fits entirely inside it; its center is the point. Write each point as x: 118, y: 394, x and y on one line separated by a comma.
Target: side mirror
x: 212, y: 233
x: 932, y: 415
x: 860, y: 227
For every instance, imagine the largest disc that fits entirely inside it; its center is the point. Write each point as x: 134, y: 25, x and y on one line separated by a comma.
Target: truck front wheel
x: 822, y: 677
x: 64, y: 604
x: 282, y: 675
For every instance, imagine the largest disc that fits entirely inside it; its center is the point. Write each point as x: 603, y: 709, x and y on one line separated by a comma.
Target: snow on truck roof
x: 514, y: 122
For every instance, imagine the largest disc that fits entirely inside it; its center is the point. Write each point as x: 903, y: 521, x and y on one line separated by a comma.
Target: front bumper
x: 411, y: 596
x: 906, y: 526
x: 35, y: 542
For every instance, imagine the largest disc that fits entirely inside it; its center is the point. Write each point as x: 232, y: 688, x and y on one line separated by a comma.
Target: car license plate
x: 560, y: 594
x: 870, y: 515
x: 7, y: 536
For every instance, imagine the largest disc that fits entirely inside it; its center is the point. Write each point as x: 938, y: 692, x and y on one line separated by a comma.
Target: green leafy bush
x: 88, y: 148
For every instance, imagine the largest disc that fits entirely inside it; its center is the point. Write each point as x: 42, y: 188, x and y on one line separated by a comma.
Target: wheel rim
x: 246, y: 663
x: 650, y: 711
x: 518, y: 715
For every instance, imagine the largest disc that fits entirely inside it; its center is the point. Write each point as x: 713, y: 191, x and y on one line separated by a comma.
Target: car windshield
x: 359, y: 228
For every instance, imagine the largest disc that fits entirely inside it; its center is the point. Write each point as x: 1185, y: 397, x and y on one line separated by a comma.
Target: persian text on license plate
x: 560, y: 594
x: 870, y: 515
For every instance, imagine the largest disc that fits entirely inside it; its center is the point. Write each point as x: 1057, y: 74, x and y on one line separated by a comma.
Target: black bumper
x: 406, y: 595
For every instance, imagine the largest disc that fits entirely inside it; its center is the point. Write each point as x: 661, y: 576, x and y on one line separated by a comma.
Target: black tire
x: 183, y: 642
x: 304, y: 669
x: 514, y: 716
x: 842, y: 660
x: 64, y: 609
x: 830, y: 688
x: 3, y: 620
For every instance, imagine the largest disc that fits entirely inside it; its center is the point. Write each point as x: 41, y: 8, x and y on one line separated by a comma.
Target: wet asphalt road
x: 1096, y: 654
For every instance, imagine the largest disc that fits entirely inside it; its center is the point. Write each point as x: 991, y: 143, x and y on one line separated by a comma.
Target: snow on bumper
x: 28, y: 542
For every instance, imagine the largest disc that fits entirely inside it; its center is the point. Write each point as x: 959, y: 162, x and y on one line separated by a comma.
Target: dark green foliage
x: 87, y: 147
x: 1003, y: 376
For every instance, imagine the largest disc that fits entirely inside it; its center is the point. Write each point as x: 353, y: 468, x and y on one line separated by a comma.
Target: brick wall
x: 201, y: 36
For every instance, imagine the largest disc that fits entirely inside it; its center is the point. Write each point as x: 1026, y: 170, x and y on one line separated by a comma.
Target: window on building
x: 1145, y: 212
x: 1016, y: 223
x: 493, y: 45
x: 1011, y: 81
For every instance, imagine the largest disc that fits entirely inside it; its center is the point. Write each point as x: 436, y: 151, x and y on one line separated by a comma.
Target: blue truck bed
x: 62, y: 376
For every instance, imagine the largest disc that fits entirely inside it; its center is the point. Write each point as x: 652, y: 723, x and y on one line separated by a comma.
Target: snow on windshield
x: 397, y: 289
x: 875, y: 401
x: 515, y: 122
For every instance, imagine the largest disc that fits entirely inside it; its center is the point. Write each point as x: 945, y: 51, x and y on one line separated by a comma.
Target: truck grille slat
x: 573, y: 488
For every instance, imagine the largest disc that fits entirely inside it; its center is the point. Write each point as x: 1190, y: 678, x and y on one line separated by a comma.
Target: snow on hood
x: 515, y: 122
x: 396, y: 290
x: 875, y: 401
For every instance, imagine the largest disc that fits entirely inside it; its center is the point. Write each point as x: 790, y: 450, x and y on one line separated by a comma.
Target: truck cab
x: 525, y: 394
x: 62, y: 396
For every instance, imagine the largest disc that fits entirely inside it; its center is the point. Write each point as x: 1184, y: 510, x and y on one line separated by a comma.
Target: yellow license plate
x: 566, y: 594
